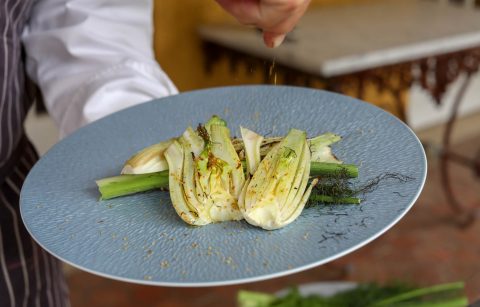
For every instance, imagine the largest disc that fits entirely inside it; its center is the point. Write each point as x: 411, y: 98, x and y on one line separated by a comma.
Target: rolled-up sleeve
x: 91, y: 58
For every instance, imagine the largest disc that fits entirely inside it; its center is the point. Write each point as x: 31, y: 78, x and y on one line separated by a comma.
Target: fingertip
x: 273, y: 40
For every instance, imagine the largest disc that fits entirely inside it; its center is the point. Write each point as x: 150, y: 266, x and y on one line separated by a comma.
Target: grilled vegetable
x: 148, y: 160
x: 252, y: 144
x: 205, y: 176
x: 277, y: 192
x: 321, y: 150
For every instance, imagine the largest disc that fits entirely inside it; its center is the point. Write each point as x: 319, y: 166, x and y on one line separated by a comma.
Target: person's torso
x: 15, y: 89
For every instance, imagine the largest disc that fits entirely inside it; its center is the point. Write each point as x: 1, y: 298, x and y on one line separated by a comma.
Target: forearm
x: 92, y: 58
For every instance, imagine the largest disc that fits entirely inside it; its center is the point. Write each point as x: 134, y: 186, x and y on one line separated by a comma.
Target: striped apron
x: 29, y: 276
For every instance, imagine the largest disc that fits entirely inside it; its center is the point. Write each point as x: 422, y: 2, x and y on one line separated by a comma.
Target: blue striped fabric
x: 29, y: 276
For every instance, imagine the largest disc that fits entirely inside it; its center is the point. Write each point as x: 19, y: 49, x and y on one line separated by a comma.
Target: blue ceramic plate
x: 140, y: 238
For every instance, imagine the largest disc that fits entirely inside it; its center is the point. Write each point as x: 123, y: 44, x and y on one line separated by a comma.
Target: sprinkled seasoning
x: 272, y: 71
x: 149, y: 253
x: 209, y: 251
x: 228, y: 260
x: 164, y: 264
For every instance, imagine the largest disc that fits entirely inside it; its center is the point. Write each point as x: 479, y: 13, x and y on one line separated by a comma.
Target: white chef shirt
x: 92, y: 58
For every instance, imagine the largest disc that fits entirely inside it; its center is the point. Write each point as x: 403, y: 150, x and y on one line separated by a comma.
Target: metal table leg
x: 464, y: 217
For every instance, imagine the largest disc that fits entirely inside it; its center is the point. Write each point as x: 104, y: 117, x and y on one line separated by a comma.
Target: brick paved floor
x: 425, y: 247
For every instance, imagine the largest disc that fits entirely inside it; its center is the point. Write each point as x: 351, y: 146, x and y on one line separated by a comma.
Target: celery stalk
x: 333, y: 169
x: 129, y: 184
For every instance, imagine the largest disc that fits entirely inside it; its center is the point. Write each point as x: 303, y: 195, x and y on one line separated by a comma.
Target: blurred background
x: 417, y: 59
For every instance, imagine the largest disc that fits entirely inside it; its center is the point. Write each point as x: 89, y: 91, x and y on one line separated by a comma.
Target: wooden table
x: 409, y: 41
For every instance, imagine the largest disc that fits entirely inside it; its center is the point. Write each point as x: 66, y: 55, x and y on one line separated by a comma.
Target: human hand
x: 275, y: 17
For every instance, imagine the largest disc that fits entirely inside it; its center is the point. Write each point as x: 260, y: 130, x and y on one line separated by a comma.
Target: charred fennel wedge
x: 277, y: 191
x: 149, y: 160
x: 205, y: 176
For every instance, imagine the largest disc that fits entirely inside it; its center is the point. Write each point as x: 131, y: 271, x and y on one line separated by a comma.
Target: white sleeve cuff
x: 109, y: 91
